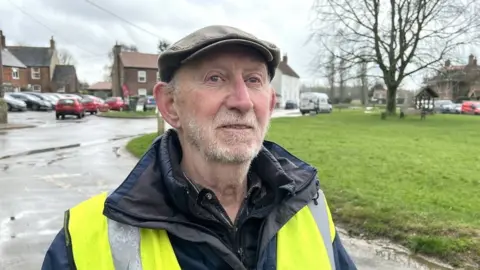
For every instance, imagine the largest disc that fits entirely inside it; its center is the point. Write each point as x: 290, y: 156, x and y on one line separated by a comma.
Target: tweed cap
x: 209, y: 38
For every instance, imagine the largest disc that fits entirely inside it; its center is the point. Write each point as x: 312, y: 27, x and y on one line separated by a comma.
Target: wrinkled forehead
x: 228, y: 54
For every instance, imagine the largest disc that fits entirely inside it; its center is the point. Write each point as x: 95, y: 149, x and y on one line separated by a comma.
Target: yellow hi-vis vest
x: 304, y: 242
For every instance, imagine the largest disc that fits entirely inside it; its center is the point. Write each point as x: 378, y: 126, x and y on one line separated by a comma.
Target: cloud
x: 89, y: 33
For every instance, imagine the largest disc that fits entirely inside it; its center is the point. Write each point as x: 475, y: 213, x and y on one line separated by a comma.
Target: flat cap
x: 208, y: 38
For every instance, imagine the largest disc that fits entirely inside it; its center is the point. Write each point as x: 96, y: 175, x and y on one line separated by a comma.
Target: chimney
x: 470, y: 59
x: 52, y: 43
x: 285, y: 59
x: 117, y: 49
x: 448, y: 63
x: 475, y: 61
x: 4, y: 45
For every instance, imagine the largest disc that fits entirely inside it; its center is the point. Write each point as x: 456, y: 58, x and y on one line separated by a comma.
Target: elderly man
x: 210, y: 193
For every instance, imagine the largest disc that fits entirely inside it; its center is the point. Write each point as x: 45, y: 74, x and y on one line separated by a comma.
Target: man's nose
x: 239, y: 97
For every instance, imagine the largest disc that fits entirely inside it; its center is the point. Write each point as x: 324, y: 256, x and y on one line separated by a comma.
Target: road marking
x: 5, y: 227
x: 36, y: 233
x: 5, y: 231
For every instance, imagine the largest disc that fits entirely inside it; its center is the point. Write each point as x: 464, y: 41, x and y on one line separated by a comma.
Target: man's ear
x: 273, y: 100
x: 166, y: 104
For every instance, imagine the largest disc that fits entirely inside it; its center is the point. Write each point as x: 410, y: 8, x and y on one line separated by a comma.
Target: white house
x: 286, y: 83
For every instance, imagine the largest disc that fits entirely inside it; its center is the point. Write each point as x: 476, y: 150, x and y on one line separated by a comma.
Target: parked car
x: 443, y: 106
x: 52, y: 96
x: 73, y: 95
x: 14, y: 104
x: 33, y: 102
x: 290, y: 104
x: 471, y: 107
x: 57, y: 95
x: 148, y: 103
x: 457, y: 108
x: 116, y: 104
x: 93, y: 104
x: 44, y: 98
x: 316, y: 102
x: 69, y: 106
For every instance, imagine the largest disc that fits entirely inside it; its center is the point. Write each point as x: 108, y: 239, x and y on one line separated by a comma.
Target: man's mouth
x: 236, y: 126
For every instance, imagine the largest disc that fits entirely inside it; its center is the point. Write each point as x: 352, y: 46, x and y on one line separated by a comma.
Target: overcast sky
x: 89, y: 33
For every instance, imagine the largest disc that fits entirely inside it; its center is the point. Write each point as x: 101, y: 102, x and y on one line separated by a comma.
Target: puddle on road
x: 382, y: 254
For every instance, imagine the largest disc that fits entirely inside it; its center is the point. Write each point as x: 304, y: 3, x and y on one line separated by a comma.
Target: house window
x: 158, y: 76
x: 142, y: 76
x: 35, y: 73
x: 37, y: 88
x: 15, y: 74
x: 142, y: 92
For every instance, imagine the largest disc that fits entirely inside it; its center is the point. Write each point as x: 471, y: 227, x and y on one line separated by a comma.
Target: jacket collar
x: 155, y: 190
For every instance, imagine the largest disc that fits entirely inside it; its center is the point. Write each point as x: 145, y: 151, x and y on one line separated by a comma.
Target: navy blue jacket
x: 153, y: 166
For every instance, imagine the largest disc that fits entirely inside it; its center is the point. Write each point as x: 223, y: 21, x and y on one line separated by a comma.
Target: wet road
x: 52, y: 133
x: 35, y: 190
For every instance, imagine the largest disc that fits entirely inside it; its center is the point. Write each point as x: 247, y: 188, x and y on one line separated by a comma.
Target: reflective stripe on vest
x: 304, y: 242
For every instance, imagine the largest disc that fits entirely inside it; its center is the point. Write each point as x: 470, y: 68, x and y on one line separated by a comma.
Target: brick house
x: 14, y: 72
x: 42, y: 70
x: 135, y: 71
x: 378, y: 94
x: 457, y: 81
x: 100, y: 89
x: 65, y: 79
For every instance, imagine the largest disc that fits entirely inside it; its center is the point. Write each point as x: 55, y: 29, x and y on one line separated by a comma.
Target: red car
x: 69, y: 106
x: 93, y: 104
x: 470, y: 107
x: 116, y: 104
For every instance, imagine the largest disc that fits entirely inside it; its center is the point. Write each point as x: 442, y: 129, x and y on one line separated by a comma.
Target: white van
x: 316, y: 102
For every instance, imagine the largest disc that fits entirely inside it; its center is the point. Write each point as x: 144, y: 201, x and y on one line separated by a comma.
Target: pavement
x: 14, y: 126
x: 36, y: 189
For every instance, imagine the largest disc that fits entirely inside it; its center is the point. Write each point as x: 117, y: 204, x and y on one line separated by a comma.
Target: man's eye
x: 214, y: 78
x: 253, y: 80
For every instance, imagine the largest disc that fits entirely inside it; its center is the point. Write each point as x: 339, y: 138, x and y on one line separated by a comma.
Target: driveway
x: 35, y: 190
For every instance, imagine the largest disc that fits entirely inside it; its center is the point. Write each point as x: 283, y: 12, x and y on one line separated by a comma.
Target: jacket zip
x: 236, y: 234
x: 232, y: 227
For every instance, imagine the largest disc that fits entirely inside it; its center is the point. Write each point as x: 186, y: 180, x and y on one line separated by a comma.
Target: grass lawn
x: 415, y: 182
x: 128, y: 114
x: 139, y: 145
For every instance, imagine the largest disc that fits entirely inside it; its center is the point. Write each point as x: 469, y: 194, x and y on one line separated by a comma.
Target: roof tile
x: 32, y: 56
x: 139, y: 60
x: 9, y: 60
x: 287, y: 70
x: 101, y: 86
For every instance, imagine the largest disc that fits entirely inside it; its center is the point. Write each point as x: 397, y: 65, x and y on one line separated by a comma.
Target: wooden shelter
x: 425, y: 99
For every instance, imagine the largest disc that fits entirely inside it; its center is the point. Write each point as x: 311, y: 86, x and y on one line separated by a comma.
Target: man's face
x: 224, y: 103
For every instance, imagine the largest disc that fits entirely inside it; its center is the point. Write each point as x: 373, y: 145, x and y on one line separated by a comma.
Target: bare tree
x: 331, y: 73
x: 401, y: 37
x: 363, y: 80
x: 342, y: 79
x: 163, y: 44
x: 65, y: 57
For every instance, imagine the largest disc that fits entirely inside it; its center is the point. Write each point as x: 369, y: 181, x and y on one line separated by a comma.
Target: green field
x: 128, y: 114
x: 415, y: 182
